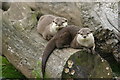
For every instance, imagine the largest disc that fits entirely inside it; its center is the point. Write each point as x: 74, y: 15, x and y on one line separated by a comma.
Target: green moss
x: 0, y: 66
x: 47, y: 75
x: 36, y: 72
x: 8, y: 70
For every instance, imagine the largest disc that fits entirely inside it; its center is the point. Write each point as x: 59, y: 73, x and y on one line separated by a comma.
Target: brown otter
x: 72, y: 36
x: 49, y: 25
x: 84, y: 38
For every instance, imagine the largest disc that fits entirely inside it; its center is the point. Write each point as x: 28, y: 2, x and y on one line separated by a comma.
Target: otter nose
x: 59, y: 24
x: 84, y: 36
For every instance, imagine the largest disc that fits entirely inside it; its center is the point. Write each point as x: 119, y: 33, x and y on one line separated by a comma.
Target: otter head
x: 59, y: 23
x: 85, y: 34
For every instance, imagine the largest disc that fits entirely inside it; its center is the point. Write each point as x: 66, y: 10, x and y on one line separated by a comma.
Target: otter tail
x: 48, y: 50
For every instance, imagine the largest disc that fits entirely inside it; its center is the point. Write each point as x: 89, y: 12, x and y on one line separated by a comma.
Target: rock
x: 17, y: 11
x: 107, y: 15
x: 108, y: 46
x: 96, y: 15
x: 71, y: 11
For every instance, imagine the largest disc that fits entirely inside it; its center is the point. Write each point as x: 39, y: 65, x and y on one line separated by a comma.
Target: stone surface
x: 69, y: 10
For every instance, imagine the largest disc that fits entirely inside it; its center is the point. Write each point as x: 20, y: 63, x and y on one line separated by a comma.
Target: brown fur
x: 85, y: 36
x: 60, y: 40
x: 66, y: 36
x: 45, y: 23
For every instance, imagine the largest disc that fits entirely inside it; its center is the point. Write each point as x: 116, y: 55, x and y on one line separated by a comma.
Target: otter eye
x: 81, y: 34
x: 55, y: 22
x: 62, y: 22
x: 87, y: 33
x: 65, y: 20
x: 91, y: 31
x: 78, y: 32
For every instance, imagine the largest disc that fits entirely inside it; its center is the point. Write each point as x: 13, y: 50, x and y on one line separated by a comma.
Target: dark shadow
x: 5, y: 6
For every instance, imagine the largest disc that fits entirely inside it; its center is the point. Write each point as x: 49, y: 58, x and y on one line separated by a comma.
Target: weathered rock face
x: 107, y: 43
x: 23, y: 46
x: 107, y: 46
x: 71, y: 11
x: 103, y: 15
x: 17, y: 11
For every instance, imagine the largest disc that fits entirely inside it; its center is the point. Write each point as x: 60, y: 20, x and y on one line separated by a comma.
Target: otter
x: 49, y: 25
x: 84, y: 38
x: 71, y: 36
